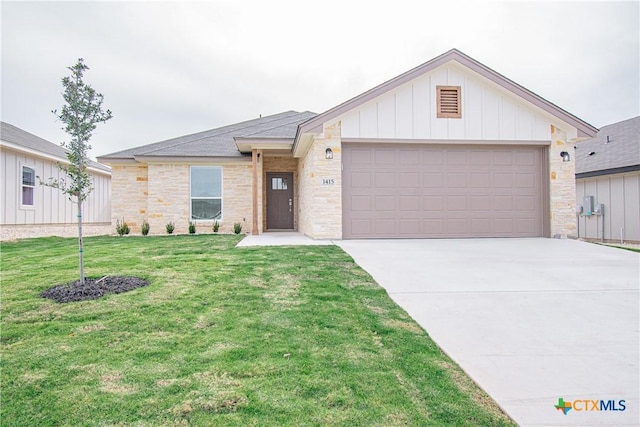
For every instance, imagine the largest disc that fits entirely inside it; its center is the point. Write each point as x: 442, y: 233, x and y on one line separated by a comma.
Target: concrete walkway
x: 530, y: 320
x: 281, y: 238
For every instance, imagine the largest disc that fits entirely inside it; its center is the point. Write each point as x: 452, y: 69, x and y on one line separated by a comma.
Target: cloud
x: 171, y: 68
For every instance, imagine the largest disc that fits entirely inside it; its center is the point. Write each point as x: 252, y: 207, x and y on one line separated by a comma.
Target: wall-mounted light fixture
x: 566, y: 157
x: 328, y: 153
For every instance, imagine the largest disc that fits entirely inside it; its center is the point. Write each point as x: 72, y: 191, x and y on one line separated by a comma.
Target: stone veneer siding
x: 129, y: 184
x: 14, y: 232
x: 320, y: 187
x: 160, y: 193
x: 562, y: 191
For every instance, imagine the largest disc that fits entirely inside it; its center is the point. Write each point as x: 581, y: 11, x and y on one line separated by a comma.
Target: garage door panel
x: 410, y: 180
x: 410, y: 226
x: 442, y: 191
x: 409, y: 203
x: 527, y: 180
x: 456, y: 157
x: 502, y: 180
x: 361, y: 156
x: 433, y: 203
x: 525, y: 204
x: 480, y: 180
x: 456, y: 180
x: 479, y: 204
x: 480, y: 158
x: 525, y: 226
x: 526, y: 158
x: 385, y: 227
x: 385, y: 179
x: 385, y: 157
x: 361, y: 203
x: 385, y: 203
x: 502, y: 203
x: 503, y: 226
x: 433, y: 158
x: 502, y: 158
x: 457, y: 227
x: 481, y: 226
x: 456, y: 203
x: 360, y: 180
x: 409, y: 157
x: 432, y: 180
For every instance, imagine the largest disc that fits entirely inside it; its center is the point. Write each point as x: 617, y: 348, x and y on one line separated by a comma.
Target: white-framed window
x: 27, y: 187
x: 206, y: 193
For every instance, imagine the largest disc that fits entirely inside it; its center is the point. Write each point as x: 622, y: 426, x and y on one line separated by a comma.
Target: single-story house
x: 608, y: 174
x: 449, y: 149
x: 32, y: 210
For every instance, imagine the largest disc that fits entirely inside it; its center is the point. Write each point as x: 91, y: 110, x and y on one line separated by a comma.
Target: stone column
x: 562, y: 185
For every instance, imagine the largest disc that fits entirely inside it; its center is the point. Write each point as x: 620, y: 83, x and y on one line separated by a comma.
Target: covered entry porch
x: 274, y: 185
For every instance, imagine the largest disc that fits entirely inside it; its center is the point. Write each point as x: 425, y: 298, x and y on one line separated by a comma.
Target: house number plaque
x: 328, y: 181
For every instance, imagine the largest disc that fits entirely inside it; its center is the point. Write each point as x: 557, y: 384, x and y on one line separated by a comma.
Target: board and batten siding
x: 51, y: 206
x: 620, y: 194
x: 489, y: 112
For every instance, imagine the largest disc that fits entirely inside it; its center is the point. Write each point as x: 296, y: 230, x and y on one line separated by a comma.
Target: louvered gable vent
x: 448, y: 100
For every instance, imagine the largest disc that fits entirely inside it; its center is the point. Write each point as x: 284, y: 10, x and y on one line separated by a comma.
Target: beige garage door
x: 432, y: 191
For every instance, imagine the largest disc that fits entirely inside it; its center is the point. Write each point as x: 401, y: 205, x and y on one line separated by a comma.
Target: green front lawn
x: 222, y: 336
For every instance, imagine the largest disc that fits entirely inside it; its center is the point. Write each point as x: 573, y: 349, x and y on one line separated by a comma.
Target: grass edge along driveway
x: 222, y: 336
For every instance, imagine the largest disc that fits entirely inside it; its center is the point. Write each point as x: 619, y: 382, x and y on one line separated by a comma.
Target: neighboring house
x: 448, y: 149
x: 32, y: 210
x: 608, y: 174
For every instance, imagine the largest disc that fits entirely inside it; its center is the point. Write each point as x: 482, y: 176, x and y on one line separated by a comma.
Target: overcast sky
x: 168, y: 69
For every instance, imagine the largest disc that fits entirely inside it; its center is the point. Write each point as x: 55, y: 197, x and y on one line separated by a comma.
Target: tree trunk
x: 80, y: 243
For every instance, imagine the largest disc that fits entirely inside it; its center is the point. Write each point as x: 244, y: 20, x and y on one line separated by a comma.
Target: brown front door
x: 280, y: 201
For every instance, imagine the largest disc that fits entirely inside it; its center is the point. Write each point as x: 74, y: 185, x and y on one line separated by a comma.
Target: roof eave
x: 247, y: 144
x: 193, y: 159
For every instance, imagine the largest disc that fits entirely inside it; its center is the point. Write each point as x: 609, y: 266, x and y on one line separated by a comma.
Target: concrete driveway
x: 530, y: 320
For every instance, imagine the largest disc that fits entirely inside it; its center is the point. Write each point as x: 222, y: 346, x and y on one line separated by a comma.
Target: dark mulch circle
x: 93, y: 288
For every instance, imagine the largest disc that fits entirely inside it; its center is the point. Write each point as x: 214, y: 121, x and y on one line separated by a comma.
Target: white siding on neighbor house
x: 50, y: 205
x: 489, y: 112
x: 620, y: 194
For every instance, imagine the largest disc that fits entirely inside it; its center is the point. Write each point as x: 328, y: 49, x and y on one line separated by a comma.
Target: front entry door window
x: 280, y: 201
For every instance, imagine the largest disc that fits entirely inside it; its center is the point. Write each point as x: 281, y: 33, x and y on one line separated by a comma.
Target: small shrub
x: 216, y: 226
x: 192, y: 227
x: 170, y: 227
x: 121, y: 227
x: 145, y: 227
x: 237, y: 228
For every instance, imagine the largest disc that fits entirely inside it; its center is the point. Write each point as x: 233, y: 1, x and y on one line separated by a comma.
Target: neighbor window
x: 28, y: 185
x: 206, y: 192
x: 448, y: 102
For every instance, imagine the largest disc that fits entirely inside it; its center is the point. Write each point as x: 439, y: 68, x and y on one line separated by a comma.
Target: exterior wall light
x: 328, y: 153
x: 566, y: 157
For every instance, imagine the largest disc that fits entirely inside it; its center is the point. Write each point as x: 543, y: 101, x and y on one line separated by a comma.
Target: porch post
x: 254, y: 190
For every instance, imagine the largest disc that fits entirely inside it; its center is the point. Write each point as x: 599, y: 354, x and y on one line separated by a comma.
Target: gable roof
x: 314, y: 125
x: 615, y: 149
x: 219, y: 142
x: 23, y: 140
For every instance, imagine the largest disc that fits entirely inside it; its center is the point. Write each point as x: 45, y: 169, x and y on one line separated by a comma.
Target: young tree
x: 80, y: 114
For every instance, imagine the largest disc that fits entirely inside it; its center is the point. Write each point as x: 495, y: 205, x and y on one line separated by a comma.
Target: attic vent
x: 448, y: 102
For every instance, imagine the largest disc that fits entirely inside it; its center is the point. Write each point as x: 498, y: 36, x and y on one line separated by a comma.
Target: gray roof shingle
x: 622, y: 150
x: 17, y: 136
x: 220, y: 142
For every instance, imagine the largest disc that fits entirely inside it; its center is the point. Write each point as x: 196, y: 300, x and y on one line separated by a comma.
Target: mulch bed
x: 93, y: 288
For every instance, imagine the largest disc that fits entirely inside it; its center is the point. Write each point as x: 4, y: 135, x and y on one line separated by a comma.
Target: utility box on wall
x: 587, y: 205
